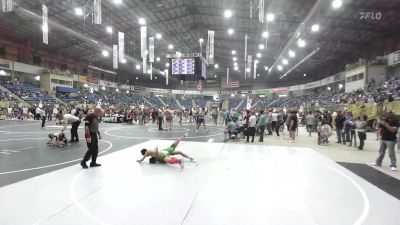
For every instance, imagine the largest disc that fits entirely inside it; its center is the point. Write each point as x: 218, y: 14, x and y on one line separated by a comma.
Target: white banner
x: 313, y: 84
x: 151, y: 49
x: 45, y: 25
x: 249, y: 65
x: 327, y: 80
x: 143, y: 41
x: 125, y: 87
x: 96, y: 16
x: 261, y: 11
x: 151, y: 71
x: 121, y: 47
x: 166, y: 76
x: 108, y: 83
x: 7, y: 5
x: 180, y: 92
x: 210, y: 47
x: 255, y: 70
x: 115, y: 57
x: 227, y: 75
x: 144, y: 66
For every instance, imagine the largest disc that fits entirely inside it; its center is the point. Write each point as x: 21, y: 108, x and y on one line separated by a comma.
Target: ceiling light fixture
x: 266, y: 68
x: 270, y: 17
x: 234, y: 59
x: 315, y: 28
x: 142, y: 21
x: 109, y: 30
x: 236, y: 68
x: 138, y: 67
x: 261, y: 46
x: 279, y: 67
x: 233, y: 52
x: 216, y: 66
x: 305, y: 75
x: 158, y: 59
x: 105, y: 53
x: 201, y: 40
x: 78, y: 11
x: 292, y: 54
x: 123, y: 61
x: 265, y: 34
x: 235, y: 64
x: 170, y: 46
x: 337, y: 4
x: 158, y: 36
x: 166, y: 64
x: 301, y: 43
x: 258, y: 55
x: 117, y: 2
x: 231, y: 31
x: 228, y: 13
x: 285, y: 61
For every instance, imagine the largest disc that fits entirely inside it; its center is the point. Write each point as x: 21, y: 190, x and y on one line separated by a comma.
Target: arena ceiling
x: 343, y: 35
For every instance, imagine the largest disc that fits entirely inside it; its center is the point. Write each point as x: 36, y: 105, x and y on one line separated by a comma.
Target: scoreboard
x: 183, y: 66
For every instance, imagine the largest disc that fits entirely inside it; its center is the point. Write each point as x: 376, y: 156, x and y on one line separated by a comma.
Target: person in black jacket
x: 339, y: 121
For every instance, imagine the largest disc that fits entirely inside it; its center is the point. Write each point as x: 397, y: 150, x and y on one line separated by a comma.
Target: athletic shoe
x: 290, y: 141
x: 197, y: 131
x: 376, y: 164
x: 192, y: 161
x: 182, y: 164
x: 84, y: 166
x: 94, y: 165
x: 393, y: 168
x: 186, y: 134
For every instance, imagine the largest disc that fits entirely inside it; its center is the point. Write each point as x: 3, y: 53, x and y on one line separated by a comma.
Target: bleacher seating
x: 234, y: 102
x: 171, y: 102
x: 30, y: 93
x: 186, y: 103
x: 155, y: 101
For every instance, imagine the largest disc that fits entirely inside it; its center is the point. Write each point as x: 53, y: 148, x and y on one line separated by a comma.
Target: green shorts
x: 170, y: 149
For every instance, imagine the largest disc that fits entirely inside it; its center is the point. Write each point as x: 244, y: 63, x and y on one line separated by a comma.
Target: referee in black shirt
x: 92, y: 135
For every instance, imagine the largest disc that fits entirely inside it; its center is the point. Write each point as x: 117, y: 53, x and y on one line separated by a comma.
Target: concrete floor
x: 274, y: 182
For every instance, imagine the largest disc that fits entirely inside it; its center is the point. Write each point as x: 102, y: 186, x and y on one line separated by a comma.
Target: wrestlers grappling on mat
x: 165, y: 156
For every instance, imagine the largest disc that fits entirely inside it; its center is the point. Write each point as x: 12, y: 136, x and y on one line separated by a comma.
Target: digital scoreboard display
x: 183, y: 66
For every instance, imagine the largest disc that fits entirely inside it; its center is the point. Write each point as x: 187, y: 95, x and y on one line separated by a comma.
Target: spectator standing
x: 262, y: 121
x: 339, y: 122
x: 310, y: 120
x: 361, y: 126
x: 251, y: 130
x: 388, y: 130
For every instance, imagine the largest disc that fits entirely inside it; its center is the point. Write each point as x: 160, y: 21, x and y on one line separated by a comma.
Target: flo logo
x: 370, y: 15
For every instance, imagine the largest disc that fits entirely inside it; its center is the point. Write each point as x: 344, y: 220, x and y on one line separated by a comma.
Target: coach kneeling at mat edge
x: 75, y: 122
x: 92, y: 135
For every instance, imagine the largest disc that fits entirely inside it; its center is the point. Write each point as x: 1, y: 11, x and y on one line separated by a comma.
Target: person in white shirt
x: 25, y: 113
x: 275, y: 122
x: 251, y: 130
x: 42, y: 114
x: 75, y: 122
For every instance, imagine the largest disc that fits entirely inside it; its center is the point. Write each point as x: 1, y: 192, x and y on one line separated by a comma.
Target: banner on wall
x: 108, y: 83
x: 136, y: 88
x: 327, y: 80
x: 313, y: 84
x: 92, y: 80
x: 262, y: 91
x: 82, y: 79
x: 281, y: 90
x: 125, y: 86
x: 199, y: 85
x: 179, y: 92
